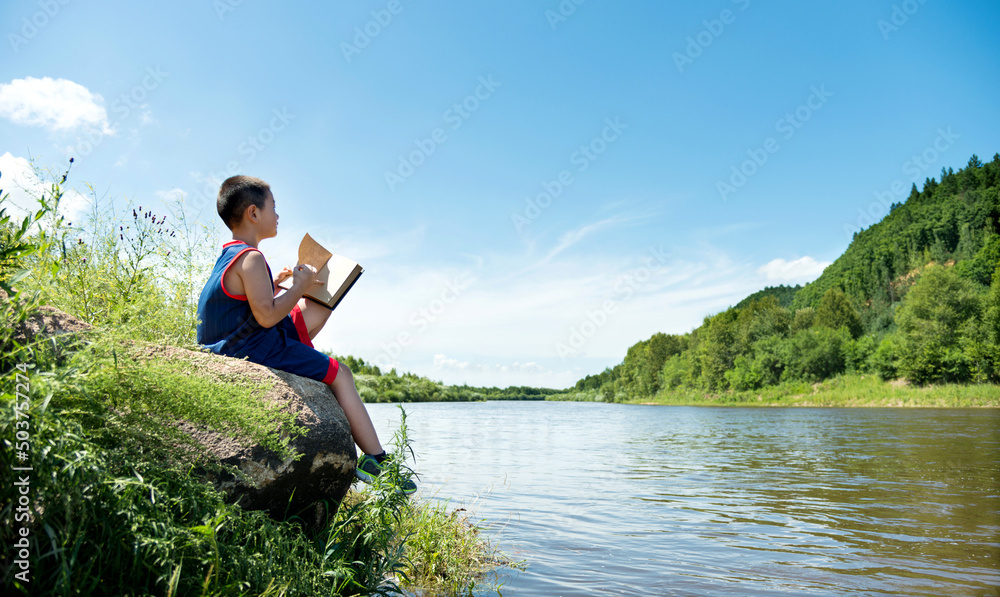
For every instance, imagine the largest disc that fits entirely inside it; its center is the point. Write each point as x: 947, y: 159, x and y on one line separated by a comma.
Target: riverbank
x: 841, y: 391
x: 133, y: 514
x: 849, y: 391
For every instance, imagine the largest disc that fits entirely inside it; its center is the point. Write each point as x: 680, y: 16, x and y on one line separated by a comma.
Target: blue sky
x: 531, y: 187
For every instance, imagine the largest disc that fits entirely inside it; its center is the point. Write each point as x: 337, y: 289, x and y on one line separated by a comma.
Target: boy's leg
x: 357, y: 416
x: 315, y: 316
x: 300, y: 358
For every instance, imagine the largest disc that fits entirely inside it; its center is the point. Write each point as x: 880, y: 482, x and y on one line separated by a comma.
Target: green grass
x: 152, y: 394
x: 844, y: 391
x: 114, y: 520
x: 447, y: 551
x: 116, y: 510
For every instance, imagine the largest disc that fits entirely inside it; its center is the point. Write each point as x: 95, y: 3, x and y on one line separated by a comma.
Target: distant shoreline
x: 845, y: 391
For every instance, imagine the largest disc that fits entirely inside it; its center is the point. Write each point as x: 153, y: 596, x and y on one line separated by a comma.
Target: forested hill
x: 916, y: 295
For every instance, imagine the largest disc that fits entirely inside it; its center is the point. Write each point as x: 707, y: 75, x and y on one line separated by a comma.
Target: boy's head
x: 236, y: 194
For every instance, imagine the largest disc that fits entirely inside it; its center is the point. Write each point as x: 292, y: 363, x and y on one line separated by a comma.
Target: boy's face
x: 269, y: 217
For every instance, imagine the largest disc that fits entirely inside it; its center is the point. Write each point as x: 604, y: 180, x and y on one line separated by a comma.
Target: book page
x: 312, y: 252
x: 342, y: 273
x: 337, y: 273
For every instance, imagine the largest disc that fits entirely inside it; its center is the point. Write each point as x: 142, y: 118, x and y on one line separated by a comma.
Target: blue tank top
x: 227, y: 325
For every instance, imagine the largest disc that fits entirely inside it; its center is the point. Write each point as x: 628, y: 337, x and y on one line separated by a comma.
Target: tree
x: 763, y: 368
x: 679, y: 370
x: 803, y: 319
x: 814, y: 355
x: 835, y: 311
x: 980, y: 339
x: 649, y: 357
x: 858, y: 354
x: 717, y: 348
x: 992, y: 310
x: 759, y: 319
x: 956, y: 218
x: 885, y: 359
x: 930, y: 319
x: 980, y: 268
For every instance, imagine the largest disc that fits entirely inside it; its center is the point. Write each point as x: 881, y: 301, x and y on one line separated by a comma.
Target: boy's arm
x: 283, y: 275
x: 267, y: 309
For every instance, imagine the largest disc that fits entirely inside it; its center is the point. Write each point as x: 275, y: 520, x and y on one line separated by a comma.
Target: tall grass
x: 116, y: 506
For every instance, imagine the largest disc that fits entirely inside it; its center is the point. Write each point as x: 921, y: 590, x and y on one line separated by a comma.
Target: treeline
x: 915, y: 296
x: 376, y: 386
x: 519, y: 393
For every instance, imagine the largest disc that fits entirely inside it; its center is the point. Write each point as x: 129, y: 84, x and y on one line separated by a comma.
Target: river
x: 616, y: 500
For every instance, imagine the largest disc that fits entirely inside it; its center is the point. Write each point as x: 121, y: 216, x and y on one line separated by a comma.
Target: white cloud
x: 59, y: 105
x: 804, y: 269
x: 19, y: 180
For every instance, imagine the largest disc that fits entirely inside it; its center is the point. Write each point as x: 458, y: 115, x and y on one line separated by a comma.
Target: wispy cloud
x: 570, y: 238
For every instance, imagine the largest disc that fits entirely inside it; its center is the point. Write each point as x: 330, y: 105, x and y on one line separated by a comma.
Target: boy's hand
x: 283, y: 275
x: 304, y: 275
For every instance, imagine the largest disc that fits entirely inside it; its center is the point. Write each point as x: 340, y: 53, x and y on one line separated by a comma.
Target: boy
x: 240, y: 314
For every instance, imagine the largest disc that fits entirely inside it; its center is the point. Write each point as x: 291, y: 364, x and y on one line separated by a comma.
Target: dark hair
x: 236, y: 194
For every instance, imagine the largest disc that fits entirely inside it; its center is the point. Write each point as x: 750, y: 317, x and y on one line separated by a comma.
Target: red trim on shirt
x: 331, y: 372
x: 233, y: 242
x: 300, y: 326
x: 222, y: 279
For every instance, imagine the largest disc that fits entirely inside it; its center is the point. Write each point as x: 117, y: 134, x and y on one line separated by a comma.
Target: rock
x: 49, y: 321
x: 325, y: 470
x: 323, y: 474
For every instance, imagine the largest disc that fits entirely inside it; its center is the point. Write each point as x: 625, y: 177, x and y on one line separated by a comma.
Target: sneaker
x: 369, y: 468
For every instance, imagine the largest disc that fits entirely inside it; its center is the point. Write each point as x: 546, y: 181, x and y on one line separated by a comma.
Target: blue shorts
x: 293, y: 351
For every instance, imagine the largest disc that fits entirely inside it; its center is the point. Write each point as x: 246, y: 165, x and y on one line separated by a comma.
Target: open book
x: 338, y: 274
